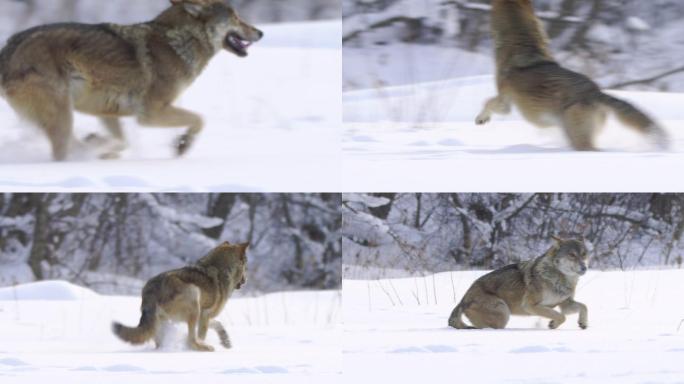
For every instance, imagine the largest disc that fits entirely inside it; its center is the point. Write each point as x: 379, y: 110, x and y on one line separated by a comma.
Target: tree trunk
x: 220, y: 207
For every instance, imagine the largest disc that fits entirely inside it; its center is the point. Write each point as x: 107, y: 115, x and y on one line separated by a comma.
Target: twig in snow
x: 396, y: 293
x: 386, y: 293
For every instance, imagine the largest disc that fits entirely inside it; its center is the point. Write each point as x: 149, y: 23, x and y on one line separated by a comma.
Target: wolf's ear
x: 557, y: 239
x: 193, y: 7
x: 243, y: 246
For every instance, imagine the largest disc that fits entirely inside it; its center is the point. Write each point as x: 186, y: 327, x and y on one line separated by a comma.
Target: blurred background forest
x: 623, y: 44
x: 113, y: 243
x: 389, y: 234
x: 20, y: 14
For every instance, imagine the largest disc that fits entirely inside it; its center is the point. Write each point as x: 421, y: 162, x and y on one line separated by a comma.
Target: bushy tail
x: 145, y: 330
x: 634, y: 118
x: 456, y: 320
x: 222, y: 334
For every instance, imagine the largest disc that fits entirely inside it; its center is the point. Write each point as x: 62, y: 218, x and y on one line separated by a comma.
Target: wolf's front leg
x: 571, y: 306
x: 539, y: 310
x: 498, y: 104
x: 169, y: 117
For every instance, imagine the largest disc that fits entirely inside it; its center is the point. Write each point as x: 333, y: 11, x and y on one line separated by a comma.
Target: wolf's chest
x: 556, y: 293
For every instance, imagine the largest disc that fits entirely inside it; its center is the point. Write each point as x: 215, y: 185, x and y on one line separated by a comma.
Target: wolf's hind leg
x: 159, y: 338
x: 113, y: 126
x: 170, y: 117
x: 222, y: 334
x: 581, y: 124
x: 49, y: 108
x: 190, y: 299
x: 498, y: 104
x: 488, y: 311
x: 570, y: 306
x: 111, y: 146
x: 203, y: 326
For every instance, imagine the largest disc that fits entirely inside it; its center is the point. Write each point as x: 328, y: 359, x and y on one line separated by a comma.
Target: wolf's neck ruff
x: 519, y: 37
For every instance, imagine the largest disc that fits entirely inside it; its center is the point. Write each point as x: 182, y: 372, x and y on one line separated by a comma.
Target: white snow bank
x: 46, y: 290
x: 285, y: 337
x: 424, y: 134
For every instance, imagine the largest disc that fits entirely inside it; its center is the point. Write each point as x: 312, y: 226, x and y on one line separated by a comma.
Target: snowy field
x: 396, y: 331
x: 422, y: 137
x: 272, y: 124
x: 55, y: 331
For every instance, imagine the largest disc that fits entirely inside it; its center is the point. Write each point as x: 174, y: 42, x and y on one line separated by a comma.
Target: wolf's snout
x: 260, y: 35
x: 583, y: 269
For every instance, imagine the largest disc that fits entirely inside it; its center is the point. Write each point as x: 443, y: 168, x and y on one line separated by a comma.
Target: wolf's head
x: 231, y: 259
x: 222, y: 24
x: 513, y: 3
x: 571, y: 256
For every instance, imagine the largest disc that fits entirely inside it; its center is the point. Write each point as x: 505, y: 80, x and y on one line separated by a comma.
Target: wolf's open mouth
x: 237, y: 44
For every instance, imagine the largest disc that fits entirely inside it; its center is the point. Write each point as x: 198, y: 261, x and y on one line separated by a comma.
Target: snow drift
x: 396, y: 330
x: 424, y: 134
x: 58, y: 331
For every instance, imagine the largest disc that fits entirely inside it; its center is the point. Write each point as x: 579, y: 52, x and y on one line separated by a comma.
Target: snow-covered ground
x: 396, y: 331
x: 272, y: 124
x: 55, y: 331
x: 422, y: 137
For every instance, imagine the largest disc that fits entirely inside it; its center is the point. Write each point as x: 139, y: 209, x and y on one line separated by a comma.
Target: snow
x: 281, y: 337
x: 396, y: 331
x: 272, y: 124
x: 46, y: 290
x: 396, y: 138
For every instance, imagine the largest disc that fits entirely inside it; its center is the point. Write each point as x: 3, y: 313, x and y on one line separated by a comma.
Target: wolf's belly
x: 102, y: 100
x: 541, y: 119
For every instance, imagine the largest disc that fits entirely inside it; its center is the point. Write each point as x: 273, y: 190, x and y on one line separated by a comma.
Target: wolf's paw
x: 184, y: 143
x: 553, y: 324
x: 110, y: 156
x: 201, y: 347
x: 482, y: 120
x: 583, y: 325
x: 95, y: 139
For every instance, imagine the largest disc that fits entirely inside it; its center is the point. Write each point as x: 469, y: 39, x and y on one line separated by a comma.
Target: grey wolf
x: 547, y: 94
x: 111, y: 71
x: 528, y: 288
x: 194, y: 294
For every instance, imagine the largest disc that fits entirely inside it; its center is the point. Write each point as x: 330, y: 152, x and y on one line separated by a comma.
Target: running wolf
x: 111, y: 71
x: 195, y: 294
x: 529, y: 288
x: 547, y: 94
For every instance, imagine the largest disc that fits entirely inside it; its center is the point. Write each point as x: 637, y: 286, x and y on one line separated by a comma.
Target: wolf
x: 528, y: 288
x: 547, y: 94
x: 194, y: 294
x: 111, y: 71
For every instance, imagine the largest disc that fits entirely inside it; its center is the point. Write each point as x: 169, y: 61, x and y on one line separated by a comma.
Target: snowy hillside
x: 395, y: 136
x: 396, y: 331
x: 278, y: 109
x: 282, y: 338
